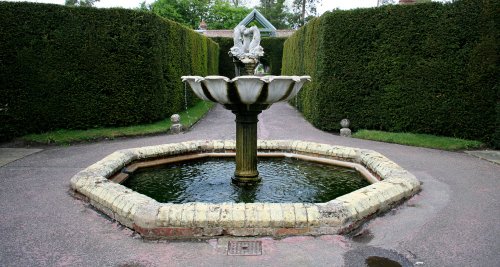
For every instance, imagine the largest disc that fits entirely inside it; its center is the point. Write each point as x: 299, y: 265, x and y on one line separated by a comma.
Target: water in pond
x: 209, y: 180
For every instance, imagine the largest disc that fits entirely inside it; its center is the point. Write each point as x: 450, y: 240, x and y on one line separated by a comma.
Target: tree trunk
x: 303, y: 12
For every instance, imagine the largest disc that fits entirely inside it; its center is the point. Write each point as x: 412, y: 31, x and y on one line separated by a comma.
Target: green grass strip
x: 420, y: 140
x: 188, y: 118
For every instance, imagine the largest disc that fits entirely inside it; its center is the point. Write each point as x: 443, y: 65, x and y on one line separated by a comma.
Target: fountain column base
x: 250, y: 68
x: 246, y: 173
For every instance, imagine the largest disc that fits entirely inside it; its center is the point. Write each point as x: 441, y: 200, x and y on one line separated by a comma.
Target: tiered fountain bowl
x: 246, y: 90
x: 246, y: 97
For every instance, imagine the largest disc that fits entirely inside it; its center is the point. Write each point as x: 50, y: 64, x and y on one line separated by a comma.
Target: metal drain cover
x: 244, y: 248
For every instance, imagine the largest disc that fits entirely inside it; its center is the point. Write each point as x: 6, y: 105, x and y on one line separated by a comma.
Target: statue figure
x: 237, y: 49
x: 254, y: 47
x: 246, y: 43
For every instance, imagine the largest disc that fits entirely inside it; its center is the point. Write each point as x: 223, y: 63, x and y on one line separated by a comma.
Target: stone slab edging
x: 165, y: 220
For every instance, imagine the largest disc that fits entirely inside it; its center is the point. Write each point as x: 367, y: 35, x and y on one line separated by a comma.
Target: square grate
x: 244, y: 248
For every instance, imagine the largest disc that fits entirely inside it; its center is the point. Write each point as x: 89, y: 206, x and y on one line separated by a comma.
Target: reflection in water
x: 209, y: 180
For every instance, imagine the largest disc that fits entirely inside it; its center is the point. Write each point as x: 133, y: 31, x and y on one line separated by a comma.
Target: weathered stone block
x: 300, y: 215
x: 213, y: 215
x: 362, y: 203
x: 238, y: 211
x: 251, y: 214
x: 263, y: 215
x: 335, y: 213
x: 313, y: 215
x: 200, y: 215
x: 226, y: 215
x: 229, y: 145
x: 277, y: 218
x: 218, y: 145
x: 175, y: 215
x: 187, y: 216
x: 145, y: 215
x: 163, y: 215
x: 288, y: 215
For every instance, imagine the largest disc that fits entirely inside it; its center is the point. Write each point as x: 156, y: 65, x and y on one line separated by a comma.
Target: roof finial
x: 203, y: 25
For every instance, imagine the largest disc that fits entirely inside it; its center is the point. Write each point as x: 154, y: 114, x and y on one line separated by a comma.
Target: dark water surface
x: 209, y: 180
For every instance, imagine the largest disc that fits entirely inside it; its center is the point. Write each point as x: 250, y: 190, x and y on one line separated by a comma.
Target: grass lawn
x: 421, y: 140
x: 188, y: 118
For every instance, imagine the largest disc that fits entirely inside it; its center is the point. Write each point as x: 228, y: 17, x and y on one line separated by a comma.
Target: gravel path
x: 454, y: 221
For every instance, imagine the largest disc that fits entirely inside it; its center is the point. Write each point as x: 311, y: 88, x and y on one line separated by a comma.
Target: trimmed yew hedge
x: 427, y: 68
x: 273, y: 54
x: 78, y: 68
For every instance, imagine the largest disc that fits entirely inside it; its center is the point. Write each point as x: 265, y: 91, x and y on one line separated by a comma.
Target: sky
x: 324, y: 6
x: 327, y: 5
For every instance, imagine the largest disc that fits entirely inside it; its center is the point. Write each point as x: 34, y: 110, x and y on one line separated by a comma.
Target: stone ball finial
x: 176, y: 125
x: 345, y: 123
x: 345, y: 131
x: 175, y: 118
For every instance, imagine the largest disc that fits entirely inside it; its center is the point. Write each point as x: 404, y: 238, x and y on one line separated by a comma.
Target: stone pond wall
x: 166, y: 220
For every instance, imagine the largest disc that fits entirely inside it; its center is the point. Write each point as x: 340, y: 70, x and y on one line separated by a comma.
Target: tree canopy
x: 218, y: 14
x: 303, y: 11
x: 226, y: 14
x: 276, y: 12
x: 223, y: 15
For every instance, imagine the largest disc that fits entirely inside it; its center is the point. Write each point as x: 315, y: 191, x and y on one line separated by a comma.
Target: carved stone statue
x: 246, y: 44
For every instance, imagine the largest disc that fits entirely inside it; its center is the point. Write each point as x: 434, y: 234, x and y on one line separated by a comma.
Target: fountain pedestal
x: 246, y: 173
x: 246, y: 149
x: 246, y: 96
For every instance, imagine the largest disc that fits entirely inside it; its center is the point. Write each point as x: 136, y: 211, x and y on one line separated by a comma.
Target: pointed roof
x: 268, y: 29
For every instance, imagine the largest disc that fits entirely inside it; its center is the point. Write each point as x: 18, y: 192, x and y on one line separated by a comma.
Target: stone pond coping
x: 155, y: 220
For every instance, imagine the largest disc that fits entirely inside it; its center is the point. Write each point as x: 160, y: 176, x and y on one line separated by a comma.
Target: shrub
x: 79, y: 68
x: 427, y: 68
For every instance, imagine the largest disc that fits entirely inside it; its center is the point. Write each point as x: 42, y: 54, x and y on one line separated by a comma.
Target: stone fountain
x: 246, y: 96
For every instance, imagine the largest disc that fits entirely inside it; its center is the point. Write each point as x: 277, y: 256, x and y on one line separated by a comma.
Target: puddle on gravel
x: 375, y: 257
x: 375, y: 261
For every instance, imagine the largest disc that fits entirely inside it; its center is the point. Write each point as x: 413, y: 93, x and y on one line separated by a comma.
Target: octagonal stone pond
x: 99, y: 184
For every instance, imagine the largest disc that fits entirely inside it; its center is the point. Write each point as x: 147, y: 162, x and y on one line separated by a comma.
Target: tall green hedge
x: 427, y: 68
x: 300, y: 54
x: 77, y: 68
x: 273, y: 55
